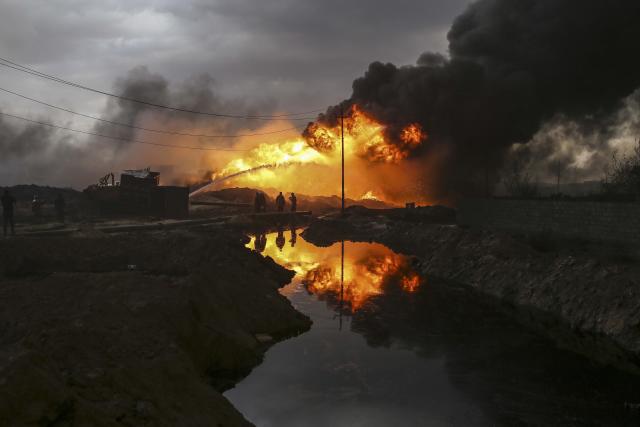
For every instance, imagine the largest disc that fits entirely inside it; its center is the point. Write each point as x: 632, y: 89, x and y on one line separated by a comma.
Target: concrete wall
x: 614, y: 222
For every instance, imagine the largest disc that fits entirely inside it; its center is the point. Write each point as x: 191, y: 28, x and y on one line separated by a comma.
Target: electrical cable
x: 143, y: 128
x: 186, y: 147
x: 288, y: 116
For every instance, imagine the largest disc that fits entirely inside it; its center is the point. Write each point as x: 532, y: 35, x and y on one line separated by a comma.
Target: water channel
x: 389, y: 347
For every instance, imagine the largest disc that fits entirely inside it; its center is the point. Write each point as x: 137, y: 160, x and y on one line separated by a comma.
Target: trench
x: 391, y: 347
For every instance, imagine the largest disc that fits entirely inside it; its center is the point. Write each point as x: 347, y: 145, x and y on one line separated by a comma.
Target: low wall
x: 612, y: 222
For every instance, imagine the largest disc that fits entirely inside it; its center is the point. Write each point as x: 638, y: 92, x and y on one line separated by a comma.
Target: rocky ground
x: 586, y: 300
x: 134, y: 329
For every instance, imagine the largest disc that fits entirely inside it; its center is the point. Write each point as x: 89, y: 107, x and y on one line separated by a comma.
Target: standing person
x: 263, y: 202
x: 280, y: 202
x: 257, y: 202
x: 294, y: 202
x: 8, y: 203
x: 36, y: 206
x: 60, y: 204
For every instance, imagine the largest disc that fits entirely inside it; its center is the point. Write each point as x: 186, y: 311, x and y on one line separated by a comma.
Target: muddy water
x: 390, y: 347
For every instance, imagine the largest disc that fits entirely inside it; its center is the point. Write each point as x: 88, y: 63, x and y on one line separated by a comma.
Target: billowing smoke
x: 17, y: 142
x: 33, y: 153
x: 573, y: 151
x: 195, y: 94
x: 517, y: 69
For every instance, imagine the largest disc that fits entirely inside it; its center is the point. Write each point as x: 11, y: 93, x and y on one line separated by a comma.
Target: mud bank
x: 134, y: 329
x: 584, y: 303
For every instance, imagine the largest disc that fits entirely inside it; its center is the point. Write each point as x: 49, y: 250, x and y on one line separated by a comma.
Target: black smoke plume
x: 513, y: 66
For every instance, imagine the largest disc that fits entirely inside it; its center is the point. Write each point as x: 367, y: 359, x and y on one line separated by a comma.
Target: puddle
x: 390, y: 347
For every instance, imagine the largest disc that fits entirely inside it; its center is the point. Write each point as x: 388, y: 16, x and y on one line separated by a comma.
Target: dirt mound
x: 142, y: 329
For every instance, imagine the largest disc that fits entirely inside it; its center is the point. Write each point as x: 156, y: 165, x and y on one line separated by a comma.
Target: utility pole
x: 341, y: 282
x: 342, y: 151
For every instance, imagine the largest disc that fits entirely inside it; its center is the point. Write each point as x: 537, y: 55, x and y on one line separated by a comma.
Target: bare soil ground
x: 134, y: 329
x: 586, y: 300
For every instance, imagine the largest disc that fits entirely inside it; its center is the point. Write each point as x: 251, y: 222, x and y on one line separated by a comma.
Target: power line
x: 186, y: 147
x: 143, y: 128
x: 22, y: 68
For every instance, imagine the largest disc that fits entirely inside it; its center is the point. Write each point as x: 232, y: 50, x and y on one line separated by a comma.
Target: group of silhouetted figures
x: 260, y: 202
x: 9, y: 204
x: 260, y: 242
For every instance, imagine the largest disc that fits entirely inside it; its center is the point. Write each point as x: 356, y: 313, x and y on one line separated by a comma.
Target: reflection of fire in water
x: 304, y: 164
x: 367, y: 269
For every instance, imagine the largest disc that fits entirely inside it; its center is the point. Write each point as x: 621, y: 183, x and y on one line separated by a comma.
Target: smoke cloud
x: 533, y: 72
x: 33, y: 153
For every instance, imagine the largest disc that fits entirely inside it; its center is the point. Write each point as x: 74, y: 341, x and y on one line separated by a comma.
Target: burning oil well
x: 444, y: 127
x: 308, y: 163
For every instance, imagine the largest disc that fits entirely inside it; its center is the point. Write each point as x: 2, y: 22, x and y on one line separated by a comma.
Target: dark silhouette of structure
x: 60, y: 206
x: 139, y: 192
x: 8, y: 203
x: 104, y: 181
x: 294, y: 202
x: 280, y: 202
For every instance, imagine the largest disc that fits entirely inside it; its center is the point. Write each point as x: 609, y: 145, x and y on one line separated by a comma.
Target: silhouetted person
x: 260, y: 243
x: 294, y: 237
x: 280, y: 240
x: 8, y: 203
x: 263, y: 202
x: 60, y: 206
x: 280, y: 202
x: 36, y: 206
x: 257, y: 202
x: 294, y: 202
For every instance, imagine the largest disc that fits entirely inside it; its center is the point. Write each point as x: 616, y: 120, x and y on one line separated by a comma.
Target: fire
x: 411, y: 282
x: 412, y: 135
x: 369, y: 195
x: 366, y: 138
x: 307, y: 164
x: 369, y: 269
x: 273, y: 155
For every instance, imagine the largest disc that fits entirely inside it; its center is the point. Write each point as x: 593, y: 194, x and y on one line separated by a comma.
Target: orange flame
x: 368, y: 144
x: 366, y: 138
x: 369, y: 269
x: 412, y: 135
x: 411, y: 282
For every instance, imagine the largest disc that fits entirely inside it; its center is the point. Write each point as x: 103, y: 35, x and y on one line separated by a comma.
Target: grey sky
x: 301, y: 53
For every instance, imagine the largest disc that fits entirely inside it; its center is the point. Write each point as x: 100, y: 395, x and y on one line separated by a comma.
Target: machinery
x: 139, y: 193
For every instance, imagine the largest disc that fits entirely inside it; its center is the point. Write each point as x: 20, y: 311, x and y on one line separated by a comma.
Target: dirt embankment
x: 586, y: 303
x: 137, y: 329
